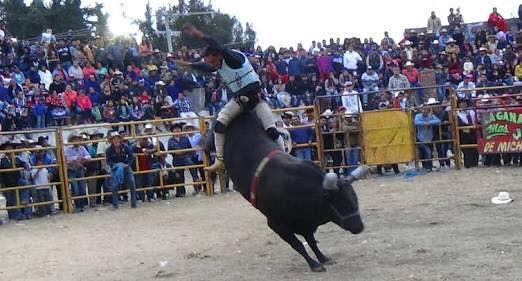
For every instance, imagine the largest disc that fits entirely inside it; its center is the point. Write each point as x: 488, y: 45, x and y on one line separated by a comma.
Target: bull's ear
x: 330, y: 181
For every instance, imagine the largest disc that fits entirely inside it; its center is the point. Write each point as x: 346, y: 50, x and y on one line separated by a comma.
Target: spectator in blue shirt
x: 424, y: 123
x: 181, y: 158
x: 301, y: 136
x: 120, y: 158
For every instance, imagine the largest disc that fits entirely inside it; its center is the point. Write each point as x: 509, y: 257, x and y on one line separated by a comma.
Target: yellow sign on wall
x: 387, y: 137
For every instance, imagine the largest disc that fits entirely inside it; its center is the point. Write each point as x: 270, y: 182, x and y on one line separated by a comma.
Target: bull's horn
x: 360, y: 172
x: 330, y: 181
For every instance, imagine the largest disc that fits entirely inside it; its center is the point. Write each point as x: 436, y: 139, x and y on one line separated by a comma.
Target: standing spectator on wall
x: 424, y: 123
x: 497, y: 20
x: 459, y: 20
x: 350, y: 59
x: 120, y: 159
x: 434, y: 24
x: 77, y: 156
x: 387, y: 41
x: 451, y: 20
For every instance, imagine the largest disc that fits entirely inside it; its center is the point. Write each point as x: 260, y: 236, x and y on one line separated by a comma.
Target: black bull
x: 290, y: 191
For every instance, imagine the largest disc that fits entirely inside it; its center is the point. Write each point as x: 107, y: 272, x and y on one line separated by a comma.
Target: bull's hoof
x: 327, y: 261
x: 318, y: 268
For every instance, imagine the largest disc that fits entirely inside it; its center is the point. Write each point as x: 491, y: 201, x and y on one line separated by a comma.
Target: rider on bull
x: 240, y: 77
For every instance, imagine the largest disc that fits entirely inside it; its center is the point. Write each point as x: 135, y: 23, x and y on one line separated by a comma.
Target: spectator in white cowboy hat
x: 350, y: 99
x: 424, y: 123
x: 409, y: 52
x: 466, y: 84
x: 76, y: 156
x: 119, y: 158
x: 196, y: 141
x: 452, y: 47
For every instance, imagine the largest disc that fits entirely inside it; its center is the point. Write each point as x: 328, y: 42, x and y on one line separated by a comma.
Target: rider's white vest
x: 236, y: 79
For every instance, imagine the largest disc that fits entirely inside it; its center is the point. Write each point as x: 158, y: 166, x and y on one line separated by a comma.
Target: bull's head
x: 342, y: 200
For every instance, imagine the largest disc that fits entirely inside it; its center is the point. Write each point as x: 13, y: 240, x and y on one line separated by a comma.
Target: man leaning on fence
x: 77, y: 156
x: 424, y: 122
x: 120, y: 158
x: 12, y: 179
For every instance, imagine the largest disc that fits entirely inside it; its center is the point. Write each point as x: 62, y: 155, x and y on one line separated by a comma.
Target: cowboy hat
x: 188, y: 125
x: 451, y: 40
x: 73, y: 135
x: 161, y: 83
x: 407, y: 43
x: 409, y: 63
x: 96, y: 132
x: 288, y: 114
x: 432, y: 101
x: 483, y: 49
x: 327, y: 113
x: 397, y: 93
x: 149, y: 126
x: 114, y: 134
x: 501, y: 198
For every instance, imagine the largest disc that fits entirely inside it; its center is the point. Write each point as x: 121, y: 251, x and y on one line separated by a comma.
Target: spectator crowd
x: 63, y: 80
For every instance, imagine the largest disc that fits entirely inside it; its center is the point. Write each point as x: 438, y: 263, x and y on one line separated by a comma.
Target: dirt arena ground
x: 439, y: 226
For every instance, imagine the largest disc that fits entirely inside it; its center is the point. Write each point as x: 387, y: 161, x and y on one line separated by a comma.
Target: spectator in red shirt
x: 144, y: 98
x: 271, y: 69
x: 84, y: 105
x: 497, y: 20
x: 411, y: 73
x: 88, y: 70
x: 413, y: 77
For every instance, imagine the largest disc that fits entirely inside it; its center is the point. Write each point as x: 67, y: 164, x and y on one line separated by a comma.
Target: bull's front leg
x: 286, y: 234
x: 310, y: 239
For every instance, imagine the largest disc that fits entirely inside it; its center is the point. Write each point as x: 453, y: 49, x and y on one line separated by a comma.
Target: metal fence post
x: 318, y: 135
x: 455, y: 130
x: 208, y: 179
x: 64, y: 179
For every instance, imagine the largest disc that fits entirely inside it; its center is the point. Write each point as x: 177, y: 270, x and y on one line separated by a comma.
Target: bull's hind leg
x: 286, y: 234
x: 310, y: 239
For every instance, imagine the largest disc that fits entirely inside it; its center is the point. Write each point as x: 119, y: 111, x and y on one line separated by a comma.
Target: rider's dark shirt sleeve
x: 233, y: 58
